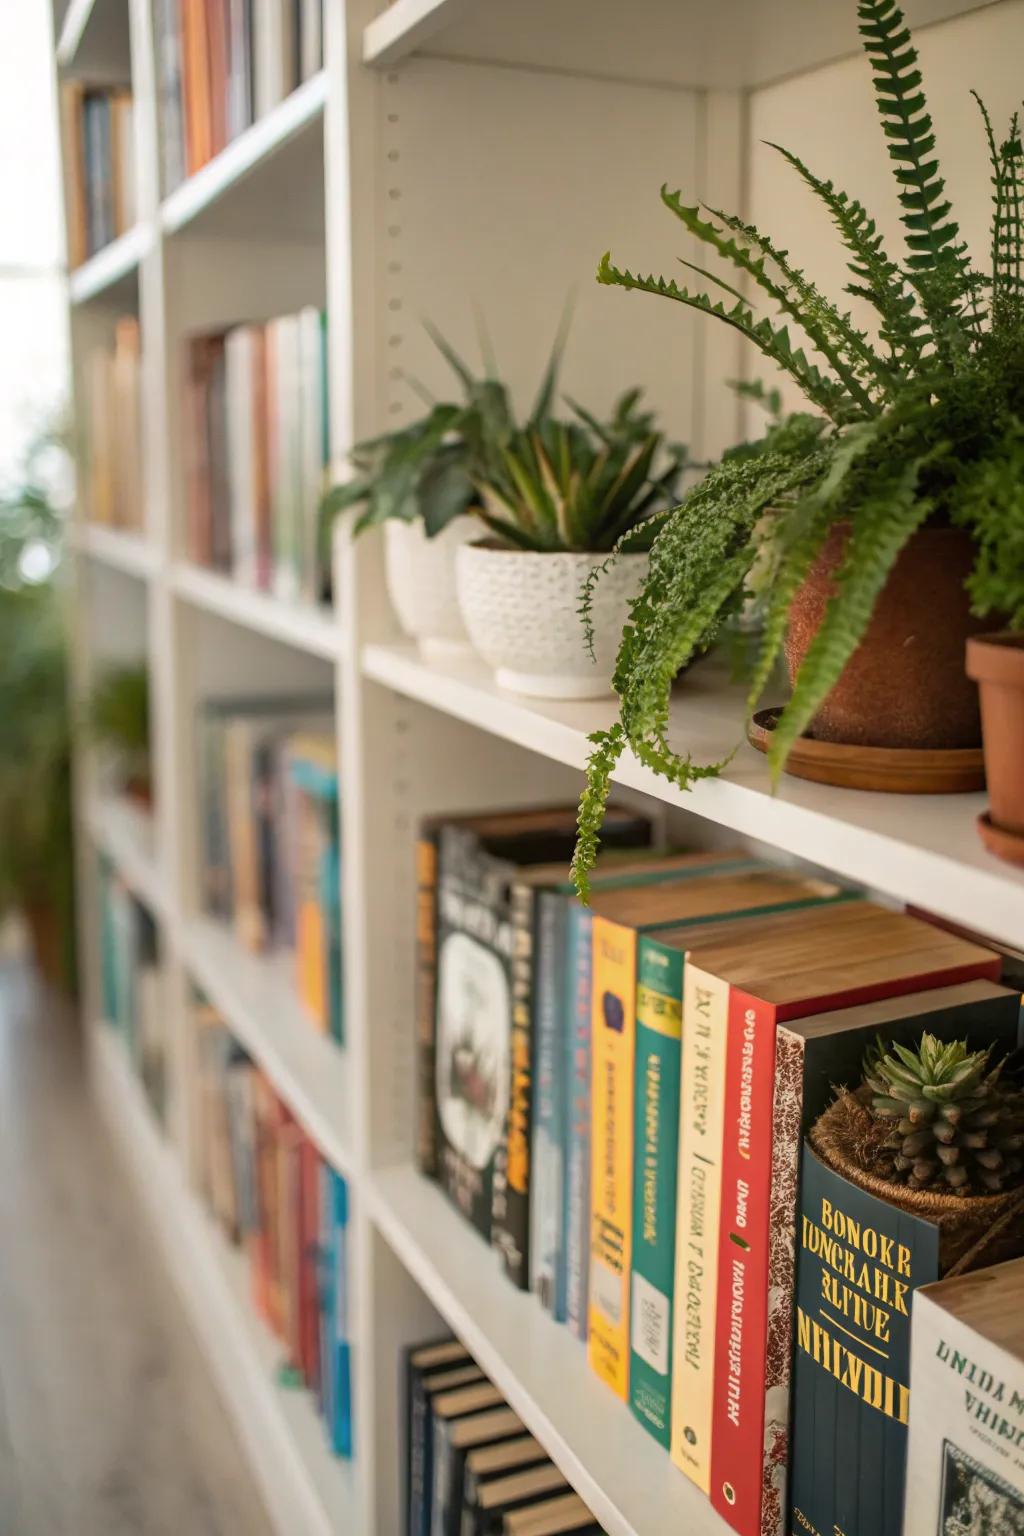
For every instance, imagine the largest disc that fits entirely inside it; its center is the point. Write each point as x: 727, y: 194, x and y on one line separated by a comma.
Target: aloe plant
x: 921, y: 422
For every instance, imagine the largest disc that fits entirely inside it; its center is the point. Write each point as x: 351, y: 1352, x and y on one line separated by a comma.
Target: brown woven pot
x: 974, y: 1230
x: 904, y: 685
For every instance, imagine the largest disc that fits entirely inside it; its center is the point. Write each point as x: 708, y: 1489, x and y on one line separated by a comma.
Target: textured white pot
x: 522, y: 613
x: 421, y: 582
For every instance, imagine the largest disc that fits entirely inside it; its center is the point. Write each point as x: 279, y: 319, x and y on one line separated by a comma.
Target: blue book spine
x: 576, y: 1119
x: 341, y: 1418
x: 546, y: 1174
x: 327, y: 1294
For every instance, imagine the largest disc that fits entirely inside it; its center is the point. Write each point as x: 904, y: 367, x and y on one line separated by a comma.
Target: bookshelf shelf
x: 269, y: 179
x: 125, y: 833
x: 112, y: 274
x: 302, y: 625
x: 94, y: 40
x: 675, y: 42
x: 922, y: 849
x: 128, y: 552
x: 256, y: 995
x: 624, y: 1476
x: 305, y: 1487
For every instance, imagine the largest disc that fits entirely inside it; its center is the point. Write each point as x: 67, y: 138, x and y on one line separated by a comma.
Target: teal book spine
x: 575, y: 1266
x: 546, y: 1177
x: 659, y: 1016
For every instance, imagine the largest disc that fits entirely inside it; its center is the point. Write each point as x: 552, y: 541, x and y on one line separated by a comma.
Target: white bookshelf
x: 452, y: 155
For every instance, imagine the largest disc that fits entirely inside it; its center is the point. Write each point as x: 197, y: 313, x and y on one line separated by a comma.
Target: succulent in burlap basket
x: 939, y: 1131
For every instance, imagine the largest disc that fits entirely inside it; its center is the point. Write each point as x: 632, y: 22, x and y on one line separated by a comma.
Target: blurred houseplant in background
x: 117, y: 719
x: 36, y: 863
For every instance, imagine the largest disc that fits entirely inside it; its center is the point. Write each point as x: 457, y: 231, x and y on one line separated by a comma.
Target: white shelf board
x: 115, y: 265
x: 921, y: 849
x: 124, y: 831
x: 305, y: 1487
x: 624, y: 1476
x: 94, y: 40
x: 257, y: 996
x: 302, y: 625
x: 686, y: 43
x: 126, y: 551
x: 278, y: 156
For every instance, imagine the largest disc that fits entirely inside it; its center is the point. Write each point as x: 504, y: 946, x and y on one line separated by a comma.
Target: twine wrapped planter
x: 974, y: 1230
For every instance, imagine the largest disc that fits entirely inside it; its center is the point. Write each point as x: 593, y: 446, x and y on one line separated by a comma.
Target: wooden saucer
x: 1005, y: 845
x: 893, y: 770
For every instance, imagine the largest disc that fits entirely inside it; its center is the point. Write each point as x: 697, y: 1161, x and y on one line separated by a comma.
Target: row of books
x: 275, y: 1197
x: 99, y: 154
x: 257, y: 447
x: 112, y: 414
x: 617, y: 1097
x: 270, y: 854
x: 222, y: 65
x: 132, y: 986
x: 471, y: 1468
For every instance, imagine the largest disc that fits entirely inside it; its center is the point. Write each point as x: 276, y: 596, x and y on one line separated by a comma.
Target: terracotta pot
x: 904, y: 685
x: 996, y: 662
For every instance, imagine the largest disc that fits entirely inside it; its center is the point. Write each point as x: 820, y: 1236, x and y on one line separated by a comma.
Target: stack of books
x: 256, y: 425
x: 132, y: 986
x: 99, y: 156
x: 616, y: 1097
x: 222, y: 65
x: 274, y: 1196
x: 113, y: 430
x: 270, y: 854
x: 471, y: 1468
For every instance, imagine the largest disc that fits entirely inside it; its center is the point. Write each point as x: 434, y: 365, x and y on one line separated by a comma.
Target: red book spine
x: 741, y: 1326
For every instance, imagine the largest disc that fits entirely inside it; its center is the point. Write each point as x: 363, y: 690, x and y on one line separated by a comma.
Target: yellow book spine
x: 699, y: 1199
x: 613, y: 1034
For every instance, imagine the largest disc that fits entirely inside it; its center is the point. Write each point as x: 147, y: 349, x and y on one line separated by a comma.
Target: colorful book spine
x: 613, y: 1035
x: 426, y: 997
x: 546, y: 1173
x: 340, y: 1422
x: 701, y: 1105
x: 512, y: 1232
x: 659, y: 1014
x: 741, y: 1309
x: 575, y: 1268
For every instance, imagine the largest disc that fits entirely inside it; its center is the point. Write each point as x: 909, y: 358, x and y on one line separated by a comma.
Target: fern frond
x: 608, y: 747
x: 937, y: 257
x: 847, y: 349
x: 876, y: 277
x: 1007, y: 163
x: 772, y: 341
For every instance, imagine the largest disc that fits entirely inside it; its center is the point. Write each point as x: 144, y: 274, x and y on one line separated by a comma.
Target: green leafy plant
x: 542, y: 484
x: 117, y: 717
x: 921, y: 423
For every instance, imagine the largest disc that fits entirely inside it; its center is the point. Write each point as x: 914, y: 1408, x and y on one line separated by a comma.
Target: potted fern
x: 867, y: 512
x: 556, y: 497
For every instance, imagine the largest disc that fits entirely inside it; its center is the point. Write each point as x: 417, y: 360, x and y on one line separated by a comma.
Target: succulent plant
x: 954, y: 1120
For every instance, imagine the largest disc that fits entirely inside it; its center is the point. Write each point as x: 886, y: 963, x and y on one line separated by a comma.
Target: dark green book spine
x: 859, y: 1261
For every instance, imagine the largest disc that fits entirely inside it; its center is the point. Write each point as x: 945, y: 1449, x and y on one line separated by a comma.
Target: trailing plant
x: 919, y: 423
x: 543, y: 484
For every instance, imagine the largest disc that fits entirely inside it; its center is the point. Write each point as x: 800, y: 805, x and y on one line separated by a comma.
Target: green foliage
x: 579, y: 485
x: 924, y: 422
x: 117, y: 716
x: 544, y: 484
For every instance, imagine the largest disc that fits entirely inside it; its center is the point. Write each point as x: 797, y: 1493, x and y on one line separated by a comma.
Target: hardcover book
x: 446, y: 1408
x: 486, y: 1463
x: 965, y: 1459
x: 812, y: 1056
x: 859, y: 1262
x: 453, y: 1441
x: 790, y: 965
x: 517, y: 1490
x: 429, y: 1369
x: 551, y: 1517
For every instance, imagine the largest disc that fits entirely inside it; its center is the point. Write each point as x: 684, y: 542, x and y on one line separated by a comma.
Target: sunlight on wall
x: 33, y: 324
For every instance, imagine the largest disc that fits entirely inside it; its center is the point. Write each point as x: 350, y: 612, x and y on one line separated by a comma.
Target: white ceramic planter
x: 421, y: 582
x: 522, y: 613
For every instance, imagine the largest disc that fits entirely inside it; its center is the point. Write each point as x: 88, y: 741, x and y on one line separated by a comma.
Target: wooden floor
x: 109, y: 1421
